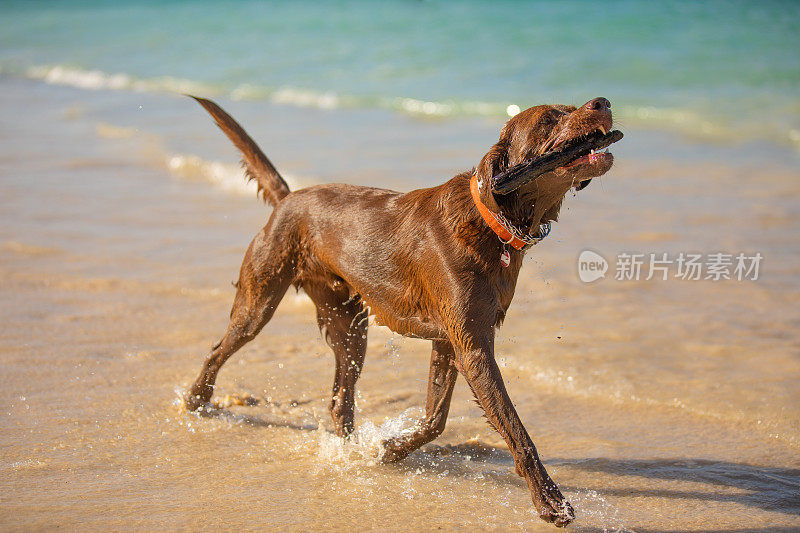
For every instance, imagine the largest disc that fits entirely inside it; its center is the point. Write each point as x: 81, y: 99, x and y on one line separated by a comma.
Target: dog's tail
x: 271, y: 186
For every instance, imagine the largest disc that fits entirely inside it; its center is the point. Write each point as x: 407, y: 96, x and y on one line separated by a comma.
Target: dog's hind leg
x: 267, y: 272
x: 343, y: 323
x: 442, y: 379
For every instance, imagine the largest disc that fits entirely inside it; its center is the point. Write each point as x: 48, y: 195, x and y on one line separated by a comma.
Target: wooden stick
x: 522, y: 173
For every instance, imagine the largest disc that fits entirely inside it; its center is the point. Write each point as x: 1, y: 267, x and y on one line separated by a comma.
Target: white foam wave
x: 293, y: 96
x: 94, y: 79
x: 98, y: 80
x: 83, y: 79
x: 306, y: 98
x: 685, y: 121
x: 225, y: 176
x: 228, y: 177
x: 412, y: 105
x: 449, y: 108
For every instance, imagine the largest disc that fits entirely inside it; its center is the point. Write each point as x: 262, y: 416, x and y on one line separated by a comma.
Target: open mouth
x: 571, y: 152
x: 592, y: 157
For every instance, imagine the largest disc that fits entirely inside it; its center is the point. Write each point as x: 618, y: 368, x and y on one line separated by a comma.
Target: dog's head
x: 537, y: 131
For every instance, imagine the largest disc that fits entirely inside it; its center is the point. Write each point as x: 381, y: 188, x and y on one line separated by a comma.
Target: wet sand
x: 657, y: 405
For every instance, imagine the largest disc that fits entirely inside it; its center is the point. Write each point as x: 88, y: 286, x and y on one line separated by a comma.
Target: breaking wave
x: 228, y: 177
x: 685, y: 121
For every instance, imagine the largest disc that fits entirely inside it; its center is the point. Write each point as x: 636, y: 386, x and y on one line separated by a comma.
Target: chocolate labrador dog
x: 438, y: 263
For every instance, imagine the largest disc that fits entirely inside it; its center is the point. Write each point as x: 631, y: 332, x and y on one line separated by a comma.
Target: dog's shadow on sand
x: 769, y: 489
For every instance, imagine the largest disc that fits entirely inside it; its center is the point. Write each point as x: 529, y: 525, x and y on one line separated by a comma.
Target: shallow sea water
x: 656, y: 405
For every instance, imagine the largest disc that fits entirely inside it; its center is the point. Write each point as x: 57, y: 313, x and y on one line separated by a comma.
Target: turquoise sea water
x: 717, y: 70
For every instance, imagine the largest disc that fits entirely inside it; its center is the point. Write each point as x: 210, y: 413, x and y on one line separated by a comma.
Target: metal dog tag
x: 505, y: 258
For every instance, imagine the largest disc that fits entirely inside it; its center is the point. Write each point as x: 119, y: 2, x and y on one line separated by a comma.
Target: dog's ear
x: 494, y: 162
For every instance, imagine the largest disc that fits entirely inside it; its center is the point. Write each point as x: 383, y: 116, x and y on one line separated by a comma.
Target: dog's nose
x: 598, y: 104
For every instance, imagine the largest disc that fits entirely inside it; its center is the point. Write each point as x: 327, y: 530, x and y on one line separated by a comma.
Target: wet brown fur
x: 424, y: 263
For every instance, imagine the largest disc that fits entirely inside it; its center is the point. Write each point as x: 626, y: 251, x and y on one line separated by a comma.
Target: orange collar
x: 490, y: 217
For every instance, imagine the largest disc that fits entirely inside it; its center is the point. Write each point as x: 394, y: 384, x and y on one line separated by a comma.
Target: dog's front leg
x: 475, y: 360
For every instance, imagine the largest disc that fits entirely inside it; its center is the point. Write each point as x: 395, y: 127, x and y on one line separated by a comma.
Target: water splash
x: 593, y: 509
x: 364, y: 447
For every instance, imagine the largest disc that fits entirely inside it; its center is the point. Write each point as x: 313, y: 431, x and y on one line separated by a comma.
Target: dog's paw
x: 392, y: 451
x: 553, y: 508
x: 194, y: 403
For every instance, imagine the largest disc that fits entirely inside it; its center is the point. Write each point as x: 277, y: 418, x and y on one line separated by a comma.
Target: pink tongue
x: 582, y: 159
